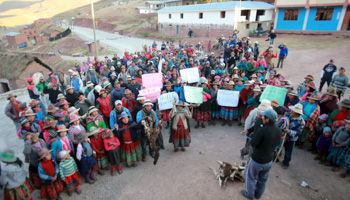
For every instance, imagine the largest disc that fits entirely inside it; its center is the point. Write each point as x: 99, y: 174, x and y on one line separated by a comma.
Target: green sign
x: 274, y: 93
x: 193, y: 94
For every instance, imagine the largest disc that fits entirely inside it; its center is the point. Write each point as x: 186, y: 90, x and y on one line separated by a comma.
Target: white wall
x: 212, y: 17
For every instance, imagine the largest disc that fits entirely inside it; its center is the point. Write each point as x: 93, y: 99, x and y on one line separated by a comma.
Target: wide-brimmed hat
x: 43, y: 153
x: 107, y: 133
x: 127, y: 91
x: 8, y: 156
x: 11, y: 95
x: 51, y: 109
x: 148, y: 103
x: 180, y: 103
x: 344, y: 103
x: 253, y: 76
x: 264, y: 105
x: 60, y: 96
x: 332, y: 93
x: 168, y: 83
x: 92, y: 109
x: 63, y: 154
x: 311, y: 85
x: 93, y: 130
x: 140, y: 97
x: 34, y: 103
x: 309, y: 76
x: 48, y: 122
x: 89, y: 84
x: 124, y: 114
x: 106, y: 85
x: 257, y: 81
x: 235, y: 76
x: 29, y: 112
x: 72, y: 111
x: 256, y: 89
x: 216, y: 83
x: 205, y: 82
x: 247, y: 83
x: 73, y: 118
x: 314, y: 97
x: 298, y: 108
x: 60, y: 113
x: 35, y: 136
x: 61, y: 128
x: 69, y: 87
x: 293, y: 93
x: 62, y: 103
x: 81, y: 137
x: 231, y: 83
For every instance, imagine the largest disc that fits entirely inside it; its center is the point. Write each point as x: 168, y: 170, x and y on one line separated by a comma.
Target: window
x: 259, y: 13
x: 247, y: 26
x: 324, y: 14
x: 245, y: 13
x: 181, y: 15
x: 169, y: 16
x: 291, y: 14
x: 222, y: 14
x: 200, y: 15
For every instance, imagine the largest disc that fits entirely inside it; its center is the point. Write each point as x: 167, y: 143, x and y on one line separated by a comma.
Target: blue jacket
x: 117, y: 94
x: 140, y: 117
x: 43, y: 174
x: 180, y: 91
x: 76, y: 84
x: 57, y: 147
x: 113, y: 118
x: 134, y: 89
x: 284, y: 51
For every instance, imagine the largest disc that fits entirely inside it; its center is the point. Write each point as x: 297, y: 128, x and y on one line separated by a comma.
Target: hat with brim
x: 127, y: 91
x: 51, y: 109
x: 180, y: 103
x: 107, y: 133
x: 65, y: 102
x: 82, y: 136
x: 92, y: 109
x: 29, y: 112
x: 33, y: 103
x: 63, y: 154
x: 60, y: 96
x: 93, y: 130
x: 298, y: 108
x: 264, y: 105
x: 247, y: 83
x: 216, y: 83
x: 62, y: 128
x: 48, y: 122
x: 124, y: 114
x: 8, y: 156
x: 140, y: 97
x: 253, y: 76
x: 89, y: 84
x: 345, y: 103
x: 60, y: 113
x: 72, y: 111
x: 293, y: 93
x: 168, y: 84
x: 74, y: 118
x: 314, y: 97
x: 147, y: 103
x: 347, y: 121
x: 35, y: 136
x: 106, y: 85
x: 310, y: 85
x: 69, y: 87
x: 256, y: 89
x: 11, y: 95
x: 43, y: 153
x: 332, y: 93
x: 231, y: 83
x: 102, y: 91
x: 309, y: 77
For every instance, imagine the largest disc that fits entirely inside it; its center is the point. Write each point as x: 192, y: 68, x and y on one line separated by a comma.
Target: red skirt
x: 247, y: 111
x: 50, y: 189
x: 34, y: 177
x: 201, y: 116
x: 72, y: 181
x: 23, y: 192
x: 166, y: 115
x: 180, y: 137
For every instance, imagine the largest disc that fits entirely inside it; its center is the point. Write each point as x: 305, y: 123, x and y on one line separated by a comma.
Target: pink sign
x: 151, y: 93
x: 153, y: 80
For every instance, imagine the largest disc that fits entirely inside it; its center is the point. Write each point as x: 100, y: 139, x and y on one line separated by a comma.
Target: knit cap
x: 323, y: 117
x: 327, y: 129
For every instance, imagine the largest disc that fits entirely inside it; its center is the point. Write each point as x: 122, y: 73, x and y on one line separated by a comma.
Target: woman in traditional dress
x: 180, y: 126
x: 229, y: 113
x: 94, y: 119
x: 214, y: 106
x: 243, y: 98
x: 253, y: 101
x: 165, y: 113
x: 202, y: 113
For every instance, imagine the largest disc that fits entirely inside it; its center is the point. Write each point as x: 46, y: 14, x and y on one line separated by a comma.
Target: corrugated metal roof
x: 230, y: 5
x: 10, y: 34
x: 161, y: 2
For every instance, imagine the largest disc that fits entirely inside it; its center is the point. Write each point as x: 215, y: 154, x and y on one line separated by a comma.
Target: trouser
x: 323, y: 82
x: 42, y: 107
x: 63, y: 89
x: 339, y: 94
x: 272, y: 40
x: 45, y: 100
x: 288, y: 147
x: 280, y: 60
x: 260, y: 172
x: 144, y: 141
x: 17, y: 125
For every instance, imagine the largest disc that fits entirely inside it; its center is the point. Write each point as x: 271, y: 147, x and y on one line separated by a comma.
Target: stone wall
x: 32, y: 68
x: 199, y: 30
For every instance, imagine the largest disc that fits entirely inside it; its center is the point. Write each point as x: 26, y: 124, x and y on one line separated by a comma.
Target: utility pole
x: 93, y: 27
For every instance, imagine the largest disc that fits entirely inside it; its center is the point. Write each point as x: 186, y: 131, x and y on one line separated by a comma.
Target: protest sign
x: 228, y: 98
x: 191, y: 75
x: 152, y: 80
x: 274, y: 93
x: 166, y: 100
x: 151, y: 93
x: 194, y: 94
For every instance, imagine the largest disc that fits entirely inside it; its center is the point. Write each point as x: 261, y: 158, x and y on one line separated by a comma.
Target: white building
x: 215, y: 18
x: 153, y: 6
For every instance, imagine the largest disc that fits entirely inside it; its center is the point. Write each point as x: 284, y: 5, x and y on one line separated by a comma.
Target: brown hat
x: 11, y: 95
x: 22, y: 106
x: 309, y: 76
x: 34, y: 103
x: 48, y: 122
x: 43, y: 153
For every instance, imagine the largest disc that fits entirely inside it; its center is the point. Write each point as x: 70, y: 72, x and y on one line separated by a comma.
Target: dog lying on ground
x: 229, y: 171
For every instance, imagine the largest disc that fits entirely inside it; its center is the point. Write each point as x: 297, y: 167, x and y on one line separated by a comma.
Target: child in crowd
x: 69, y: 173
x: 323, y: 145
x: 98, y: 146
x: 48, y: 169
x: 94, y: 119
x: 50, y: 132
x: 75, y: 129
x: 61, y: 118
x: 321, y: 123
x: 63, y: 143
x: 85, y: 156
x: 111, y: 144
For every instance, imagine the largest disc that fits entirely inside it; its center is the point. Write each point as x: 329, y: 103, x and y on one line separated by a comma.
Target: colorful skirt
x: 22, y: 192
x: 50, y: 189
x: 201, y: 116
x: 247, y: 111
x: 305, y: 135
x: 86, y: 164
x: 131, y: 153
x: 228, y: 113
x: 215, y: 110
x: 72, y: 181
x: 180, y: 137
x: 34, y: 176
x: 335, y: 154
x: 101, y: 160
x: 114, y: 156
x: 166, y: 115
x: 345, y: 158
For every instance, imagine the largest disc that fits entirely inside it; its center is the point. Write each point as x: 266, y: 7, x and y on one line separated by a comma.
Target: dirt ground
x: 185, y: 175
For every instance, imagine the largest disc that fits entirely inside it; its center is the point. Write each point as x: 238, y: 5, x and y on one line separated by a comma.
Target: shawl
x: 310, y: 124
x: 184, y: 114
x: 48, y: 167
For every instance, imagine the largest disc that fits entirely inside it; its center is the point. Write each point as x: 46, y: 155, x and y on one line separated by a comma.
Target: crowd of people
x: 93, y: 118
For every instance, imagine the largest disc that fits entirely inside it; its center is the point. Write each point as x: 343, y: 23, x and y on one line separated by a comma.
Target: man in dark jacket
x: 134, y: 86
x: 327, y: 74
x: 12, y: 109
x: 264, y: 142
x: 52, y: 91
x: 139, y: 104
x: 71, y: 96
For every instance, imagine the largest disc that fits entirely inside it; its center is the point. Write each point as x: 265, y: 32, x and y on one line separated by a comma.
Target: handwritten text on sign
x: 190, y: 75
x: 166, y: 100
x: 153, y: 80
x: 228, y: 98
x: 274, y: 93
x: 151, y: 93
x: 194, y: 94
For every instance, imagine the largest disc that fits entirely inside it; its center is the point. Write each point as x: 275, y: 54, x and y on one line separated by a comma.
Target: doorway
x: 4, y: 87
x: 177, y: 30
x: 346, y: 23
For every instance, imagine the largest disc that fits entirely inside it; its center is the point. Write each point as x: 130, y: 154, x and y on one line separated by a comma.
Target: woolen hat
x: 309, y: 76
x: 311, y: 85
x: 270, y: 113
x: 43, y: 153
x: 8, y: 156
x: 327, y: 129
x: 298, y: 108
x: 345, y: 103
x: 29, y: 80
x: 23, y: 121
